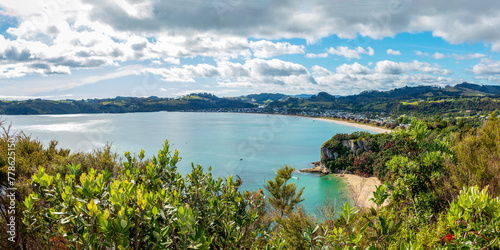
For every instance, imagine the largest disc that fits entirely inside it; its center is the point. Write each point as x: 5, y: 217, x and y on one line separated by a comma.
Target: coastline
x: 354, y: 124
x: 362, y: 188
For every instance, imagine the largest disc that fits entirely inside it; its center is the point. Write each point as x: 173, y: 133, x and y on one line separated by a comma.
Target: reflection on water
x: 252, y: 146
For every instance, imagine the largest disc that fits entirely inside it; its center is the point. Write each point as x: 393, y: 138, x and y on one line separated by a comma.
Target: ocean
x: 251, y: 146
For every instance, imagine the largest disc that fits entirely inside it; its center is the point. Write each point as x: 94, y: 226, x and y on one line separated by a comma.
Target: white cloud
x: 57, y: 37
x: 393, y: 52
x: 467, y: 56
x: 318, y: 70
x: 396, y: 68
x: 351, y: 53
x: 420, y: 53
x: 438, y: 55
x: 342, y: 83
x: 486, y: 67
x: 389, y: 67
x: 266, y: 49
x: 254, y: 71
x: 464, y: 21
x: 320, y: 55
x: 353, y: 69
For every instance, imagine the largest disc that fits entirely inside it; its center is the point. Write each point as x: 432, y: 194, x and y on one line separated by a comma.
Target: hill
x: 461, y: 99
x: 420, y: 100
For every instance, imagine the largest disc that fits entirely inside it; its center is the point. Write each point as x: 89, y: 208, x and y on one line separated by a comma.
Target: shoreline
x: 368, y: 127
x: 361, y: 188
x: 354, y: 124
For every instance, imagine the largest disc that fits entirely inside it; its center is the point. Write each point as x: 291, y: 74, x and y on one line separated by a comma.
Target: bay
x: 251, y: 146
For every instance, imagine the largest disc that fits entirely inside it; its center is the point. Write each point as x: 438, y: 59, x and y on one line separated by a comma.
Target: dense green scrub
x: 440, y: 191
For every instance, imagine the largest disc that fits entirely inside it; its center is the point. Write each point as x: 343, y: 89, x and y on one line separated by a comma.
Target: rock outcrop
x: 328, y: 155
x: 354, y: 145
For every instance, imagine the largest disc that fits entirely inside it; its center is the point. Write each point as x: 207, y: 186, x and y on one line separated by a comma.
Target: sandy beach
x: 356, y: 125
x: 361, y: 188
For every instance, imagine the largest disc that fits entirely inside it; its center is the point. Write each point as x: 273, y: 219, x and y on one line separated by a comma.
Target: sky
x: 78, y: 49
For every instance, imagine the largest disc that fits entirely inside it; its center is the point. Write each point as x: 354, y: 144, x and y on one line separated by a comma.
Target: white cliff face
x: 352, y: 145
x: 326, y: 153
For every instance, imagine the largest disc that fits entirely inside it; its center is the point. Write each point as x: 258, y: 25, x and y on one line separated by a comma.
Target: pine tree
x: 283, y: 197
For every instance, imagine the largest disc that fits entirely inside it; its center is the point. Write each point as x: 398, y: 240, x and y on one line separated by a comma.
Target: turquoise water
x: 252, y: 146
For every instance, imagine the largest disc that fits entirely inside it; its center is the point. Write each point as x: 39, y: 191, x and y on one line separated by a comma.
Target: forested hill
x: 120, y: 105
x: 420, y: 100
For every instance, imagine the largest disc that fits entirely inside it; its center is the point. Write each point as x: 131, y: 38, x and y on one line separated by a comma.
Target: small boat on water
x: 295, y: 177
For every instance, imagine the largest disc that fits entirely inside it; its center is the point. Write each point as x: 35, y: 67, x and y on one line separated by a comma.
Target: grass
x: 380, y: 106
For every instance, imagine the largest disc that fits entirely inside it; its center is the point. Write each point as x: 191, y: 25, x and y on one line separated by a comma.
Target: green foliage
x: 283, y: 196
x: 477, y: 158
x: 120, y: 105
x: 417, y: 174
x: 30, y: 154
x: 380, y: 195
x: 147, y: 205
x: 475, y: 219
x: 90, y: 201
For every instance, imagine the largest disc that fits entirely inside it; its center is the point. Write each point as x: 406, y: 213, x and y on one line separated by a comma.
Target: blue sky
x: 61, y: 49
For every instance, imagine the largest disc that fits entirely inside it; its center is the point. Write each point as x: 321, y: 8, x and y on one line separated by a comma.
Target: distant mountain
x: 418, y: 99
x: 407, y: 100
x: 322, y: 97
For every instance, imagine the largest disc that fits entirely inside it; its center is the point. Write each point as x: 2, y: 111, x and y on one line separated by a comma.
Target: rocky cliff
x: 352, y: 145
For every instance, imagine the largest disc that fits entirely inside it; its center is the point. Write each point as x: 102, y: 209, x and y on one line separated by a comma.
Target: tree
x: 284, y: 197
x: 477, y: 158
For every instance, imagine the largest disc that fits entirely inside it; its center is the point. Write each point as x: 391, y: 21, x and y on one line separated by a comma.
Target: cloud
x: 454, y: 56
x: 266, y: 49
x: 318, y: 70
x: 64, y: 37
x: 464, y: 21
x: 397, y: 68
x: 486, y: 67
x: 254, y: 71
x: 466, y: 56
x: 353, y: 69
x: 355, y: 78
x: 393, y: 52
x: 351, y: 53
x: 438, y: 55
x: 389, y: 67
x: 420, y: 53
x: 320, y: 55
